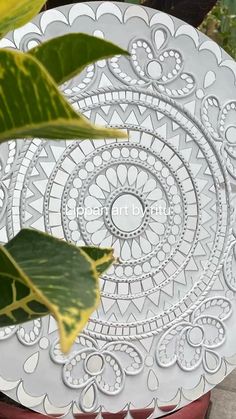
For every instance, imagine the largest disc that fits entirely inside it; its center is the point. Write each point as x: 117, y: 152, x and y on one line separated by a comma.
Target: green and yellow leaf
x: 32, y: 106
x: 66, y: 56
x: 40, y: 274
x: 15, y: 13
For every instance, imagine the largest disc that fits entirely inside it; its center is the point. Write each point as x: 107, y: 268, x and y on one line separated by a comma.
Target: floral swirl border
x: 36, y: 31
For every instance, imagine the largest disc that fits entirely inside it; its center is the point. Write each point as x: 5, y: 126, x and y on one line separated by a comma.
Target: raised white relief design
x: 229, y: 269
x: 220, y: 121
x: 93, y: 369
x: 191, y: 343
x: 27, y: 334
x: 155, y: 65
x: 170, y: 298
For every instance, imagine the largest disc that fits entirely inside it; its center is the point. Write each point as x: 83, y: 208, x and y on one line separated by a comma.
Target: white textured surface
x: 168, y: 307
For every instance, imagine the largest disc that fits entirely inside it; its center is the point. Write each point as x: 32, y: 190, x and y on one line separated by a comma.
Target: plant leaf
x: 66, y: 56
x: 41, y: 274
x: 32, y: 106
x: 99, y: 256
x: 15, y: 13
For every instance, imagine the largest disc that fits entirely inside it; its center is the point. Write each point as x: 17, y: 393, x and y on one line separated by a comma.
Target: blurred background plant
x: 220, y: 25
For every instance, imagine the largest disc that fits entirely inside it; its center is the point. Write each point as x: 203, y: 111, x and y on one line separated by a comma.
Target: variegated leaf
x: 41, y: 274
x: 32, y: 106
x: 66, y: 56
x: 15, y: 13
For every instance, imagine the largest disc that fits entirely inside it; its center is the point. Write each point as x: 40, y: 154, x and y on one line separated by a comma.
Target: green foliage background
x: 220, y: 25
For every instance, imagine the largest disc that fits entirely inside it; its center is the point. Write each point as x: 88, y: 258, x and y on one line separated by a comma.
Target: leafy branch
x: 220, y: 25
x: 40, y: 274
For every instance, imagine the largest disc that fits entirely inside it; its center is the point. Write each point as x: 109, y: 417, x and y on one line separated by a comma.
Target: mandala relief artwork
x: 93, y: 370
x: 164, y: 199
x: 194, y: 344
x: 155, y: 65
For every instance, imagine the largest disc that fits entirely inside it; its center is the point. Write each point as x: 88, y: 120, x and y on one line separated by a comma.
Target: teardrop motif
x: 211, y: 361
x: 209, y: 79
x: 160, y: 38
x: 152, y: 381
x: 88, y: 398
x: 31, y: 363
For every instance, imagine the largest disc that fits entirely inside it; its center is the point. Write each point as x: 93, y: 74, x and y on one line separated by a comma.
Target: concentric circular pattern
x: 166, y: 218
x: 124, y: 187
x: 161, y: 198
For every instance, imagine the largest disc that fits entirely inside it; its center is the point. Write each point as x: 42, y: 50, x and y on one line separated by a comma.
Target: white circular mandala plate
x: 164, y: 199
